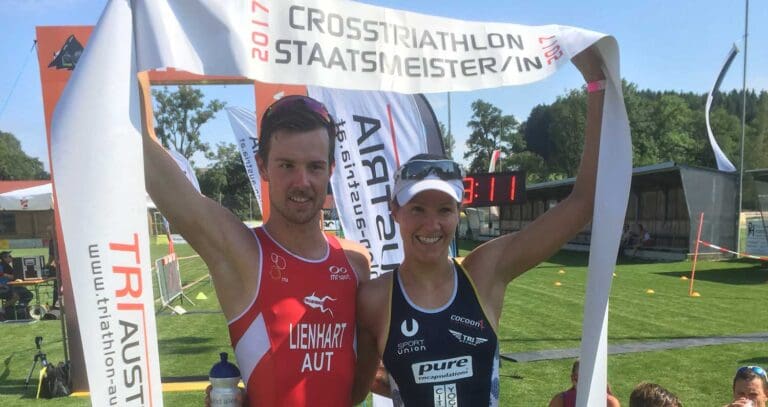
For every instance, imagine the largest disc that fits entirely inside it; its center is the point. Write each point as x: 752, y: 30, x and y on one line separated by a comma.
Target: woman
x: 433, y: 321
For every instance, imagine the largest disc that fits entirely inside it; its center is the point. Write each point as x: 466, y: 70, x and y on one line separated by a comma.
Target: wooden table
x: 35, y: 283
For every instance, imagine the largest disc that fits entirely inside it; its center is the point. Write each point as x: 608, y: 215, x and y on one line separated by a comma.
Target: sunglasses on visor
x: 420, y: 169
x: 756, y: 369
x: 294, y: 101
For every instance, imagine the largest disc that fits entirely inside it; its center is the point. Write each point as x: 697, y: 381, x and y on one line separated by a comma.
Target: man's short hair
x: 652, y: 395
x: 749, y: 373
x: 4, y: 253
x: 297, y: 114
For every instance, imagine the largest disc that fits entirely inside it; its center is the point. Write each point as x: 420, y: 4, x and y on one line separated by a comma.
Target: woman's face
x: 427, y: 225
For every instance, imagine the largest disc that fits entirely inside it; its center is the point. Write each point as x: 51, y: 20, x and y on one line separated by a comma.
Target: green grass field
x: 537, y: 315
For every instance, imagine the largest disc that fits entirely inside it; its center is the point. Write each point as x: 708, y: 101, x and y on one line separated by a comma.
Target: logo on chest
x: 339, y: 273
x: 466, y: 339
x: 277, y: 268
x: 409, y: 328
x: 467, y: 322
x: 411, y: 346
x: 444, y: 370
x: 321, y: 303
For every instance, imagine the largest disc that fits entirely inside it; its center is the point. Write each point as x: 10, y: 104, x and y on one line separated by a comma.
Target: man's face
x: 752, y: 390
x: 298, y: 172
x: 7, y: 259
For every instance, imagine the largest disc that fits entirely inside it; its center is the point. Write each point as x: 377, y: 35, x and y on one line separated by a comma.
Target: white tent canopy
x: 37, y: 198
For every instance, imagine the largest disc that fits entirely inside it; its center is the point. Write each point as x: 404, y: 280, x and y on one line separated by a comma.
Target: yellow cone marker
x: 561, y: 271
x: 650, y: 291
x: 201, y: 296
x: 695, y: 294
x: 683, y: 277
x: 558, y: 284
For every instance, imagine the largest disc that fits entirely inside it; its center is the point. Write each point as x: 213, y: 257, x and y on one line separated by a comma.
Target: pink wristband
x: 596, y: 86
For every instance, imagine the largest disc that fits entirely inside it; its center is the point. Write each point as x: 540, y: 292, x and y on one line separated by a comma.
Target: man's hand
x: 380, y: 383
x: 741, y: 402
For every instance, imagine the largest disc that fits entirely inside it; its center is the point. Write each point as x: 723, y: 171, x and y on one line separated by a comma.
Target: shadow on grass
x: 734, y: 276
x: 6, y: 370
x: 614, y: 339
x: 16, y: 387
x: 761, y: 361
x: 186, y: 345
x: 184, y: 340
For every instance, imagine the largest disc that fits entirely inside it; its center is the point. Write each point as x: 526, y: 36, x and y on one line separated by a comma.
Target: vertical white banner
x: 377, y: 131
x: 243, y: 123
x: 97, y: 169
x: 723, y: 163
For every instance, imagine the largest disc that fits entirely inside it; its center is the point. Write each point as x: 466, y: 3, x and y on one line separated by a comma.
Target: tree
x: 674, y: 132
x: 535, y: 167
x: 15, y: 164
x: 727, y: 129
x: 227, y: 182
x: 566, y: 133
x: 449, y: 142
x: 535, y: 131
x: 180, y: 115
x: 491, y: 130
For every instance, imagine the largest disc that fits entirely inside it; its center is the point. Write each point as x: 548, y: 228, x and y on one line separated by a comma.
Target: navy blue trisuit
x: 447, y: 356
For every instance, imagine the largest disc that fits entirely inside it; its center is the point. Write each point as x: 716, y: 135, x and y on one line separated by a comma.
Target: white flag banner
x: 493, y: 211
x: 99, y: 186
x: 336, y: 44
x: 185, y: 167
x: 243, y: 123
x: 723, y: 163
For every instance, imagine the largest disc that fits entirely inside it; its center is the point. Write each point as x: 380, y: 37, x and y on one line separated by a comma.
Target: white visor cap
x: 406, y: 190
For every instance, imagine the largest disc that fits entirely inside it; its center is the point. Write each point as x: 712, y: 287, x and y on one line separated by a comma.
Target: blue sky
x: 665, y: 45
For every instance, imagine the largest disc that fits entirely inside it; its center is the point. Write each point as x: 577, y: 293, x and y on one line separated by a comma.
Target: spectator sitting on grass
x: 568, y: 397
x: 750, y: 387
x: 652, y: 395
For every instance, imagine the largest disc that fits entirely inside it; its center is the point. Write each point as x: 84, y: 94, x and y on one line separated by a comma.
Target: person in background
x: 568, y: 397
x: 643, y: 238
x: 6, y: 293
x: 52, y: 266
x: 652, y: 395
x: 7, y: 272
x: 750, y: 387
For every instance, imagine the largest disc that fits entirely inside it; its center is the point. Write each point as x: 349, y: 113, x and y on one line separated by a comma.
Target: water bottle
x: 224, y: 378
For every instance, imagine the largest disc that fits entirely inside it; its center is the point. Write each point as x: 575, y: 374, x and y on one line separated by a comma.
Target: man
x: 7, y: 274
x: 52, y: 265
x: 6, y: 293
x: 287, y: 289
x: 750, y: 387
x: 652, y: 395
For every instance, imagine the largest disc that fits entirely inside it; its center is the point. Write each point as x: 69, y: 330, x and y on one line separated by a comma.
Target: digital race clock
x: 494, y: 189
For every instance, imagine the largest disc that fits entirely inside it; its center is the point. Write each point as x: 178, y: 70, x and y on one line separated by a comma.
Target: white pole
x: 743, y: 126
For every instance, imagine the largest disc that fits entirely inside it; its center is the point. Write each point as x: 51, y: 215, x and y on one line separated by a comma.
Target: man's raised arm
x: 212, y: 230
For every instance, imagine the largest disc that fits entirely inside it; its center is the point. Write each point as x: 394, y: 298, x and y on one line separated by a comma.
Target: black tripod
x: 38, y: 356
